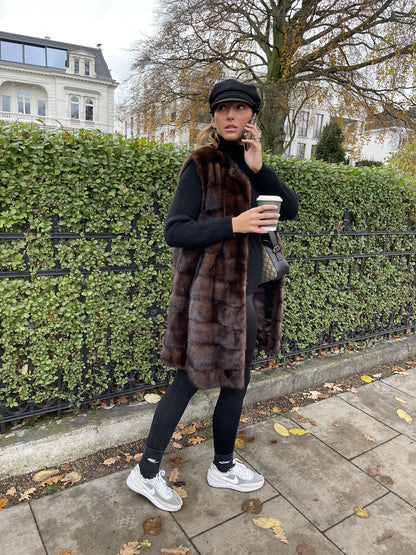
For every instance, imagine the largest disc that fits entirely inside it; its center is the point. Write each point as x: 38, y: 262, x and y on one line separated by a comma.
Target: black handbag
x: 274, y: 264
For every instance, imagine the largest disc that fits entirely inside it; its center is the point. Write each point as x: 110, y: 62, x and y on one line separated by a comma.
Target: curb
x: 54, y: 441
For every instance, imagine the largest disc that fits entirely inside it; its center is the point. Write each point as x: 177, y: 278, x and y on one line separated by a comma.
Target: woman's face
x: 230, y: 118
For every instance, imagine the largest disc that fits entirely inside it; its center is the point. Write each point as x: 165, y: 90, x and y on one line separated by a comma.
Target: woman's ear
x: 213, y: 123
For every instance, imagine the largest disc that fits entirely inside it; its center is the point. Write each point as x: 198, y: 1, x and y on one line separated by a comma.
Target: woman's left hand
x: 252, y: 148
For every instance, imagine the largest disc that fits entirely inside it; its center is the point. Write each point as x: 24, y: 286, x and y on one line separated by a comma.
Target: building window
x: 74, y: 107
x: 5, y: 103
x: 86, y: 68
x: 288, y: 122
x: 76, y: 65
x: 313, y: 149
x: 303, y: 124
x: 300, y: 150
x: 41, y: 108
x: 317, y: 128
x: 11, y: 51
x: 23, y: 101
x: 56, y: 58
x: 34, y: 55
x: 89, y: 110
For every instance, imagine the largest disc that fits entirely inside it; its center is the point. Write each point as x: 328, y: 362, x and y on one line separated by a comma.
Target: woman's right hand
x: 251, y: 220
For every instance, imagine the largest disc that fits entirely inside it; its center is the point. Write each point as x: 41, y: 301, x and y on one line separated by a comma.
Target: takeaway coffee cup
x: 270, y: 199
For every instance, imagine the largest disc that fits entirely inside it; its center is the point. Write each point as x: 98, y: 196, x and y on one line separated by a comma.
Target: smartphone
x: 246, y: 133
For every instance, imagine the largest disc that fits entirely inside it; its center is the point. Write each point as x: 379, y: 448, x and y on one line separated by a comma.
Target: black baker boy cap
x: 232, y: 90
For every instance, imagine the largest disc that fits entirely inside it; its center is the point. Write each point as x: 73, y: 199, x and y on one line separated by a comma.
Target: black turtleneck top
x: 182, y: 228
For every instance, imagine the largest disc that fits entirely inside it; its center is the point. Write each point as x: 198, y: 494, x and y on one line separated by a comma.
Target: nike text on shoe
x: 239, y: 477
x: 155, y: 489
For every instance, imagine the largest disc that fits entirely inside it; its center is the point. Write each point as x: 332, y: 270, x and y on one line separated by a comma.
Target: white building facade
x: 55, y: 84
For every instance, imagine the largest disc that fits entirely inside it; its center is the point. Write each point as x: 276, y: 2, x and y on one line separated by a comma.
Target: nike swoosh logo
x: 150, y: 489
x: 233, y: 480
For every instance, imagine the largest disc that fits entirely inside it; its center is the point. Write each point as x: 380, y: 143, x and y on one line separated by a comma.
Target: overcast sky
x: 116, y: 24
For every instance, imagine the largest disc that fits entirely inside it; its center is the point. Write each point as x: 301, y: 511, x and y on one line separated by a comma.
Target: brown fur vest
x: 206, y: 320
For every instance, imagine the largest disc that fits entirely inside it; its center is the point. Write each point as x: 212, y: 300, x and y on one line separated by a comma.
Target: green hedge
x: 90, y: 182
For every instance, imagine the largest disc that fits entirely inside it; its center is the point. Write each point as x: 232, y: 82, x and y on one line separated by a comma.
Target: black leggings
x: 226, y: 415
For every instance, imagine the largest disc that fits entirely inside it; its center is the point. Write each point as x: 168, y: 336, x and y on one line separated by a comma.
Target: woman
x: 214, y: 228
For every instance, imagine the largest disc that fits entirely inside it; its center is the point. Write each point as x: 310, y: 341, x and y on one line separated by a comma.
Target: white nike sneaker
x: 239, y: 477
x: 155, y: 489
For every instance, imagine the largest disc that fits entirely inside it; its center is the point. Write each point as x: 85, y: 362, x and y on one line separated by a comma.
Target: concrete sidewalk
x: 359, y: 453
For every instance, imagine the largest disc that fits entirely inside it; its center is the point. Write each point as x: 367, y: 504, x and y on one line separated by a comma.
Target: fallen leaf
x: 386, y: 480
x: 366, y: 379
x: 11, y: 492
x: 128, y: 456
x: 64, y: 552
x: 152, y: 526
x: 301, y: 419
x: 299, y: 431
x: 336, y: 424
x: 177, y: 435
x: 176, y: 445
x: 404, y: 415
x: 183, y: 494
x: 362, y: 513
x: 295, y: 409
x: 65, y: 467
x: 313, y: 422
x: 261, y: 412
x: 373, y: 472
x: 138, y: 457
x: 43, y: 474
x: 131, y: 548
x: 354, y: 390
x: 263, y: 522
x: 112, y: 460
x: 280, y: 534
x: 196, y: 440
x: 72, y: 477
x: 281, y: 430
x: 368, y: 438
x: 3, y: 502
x: 291, y: 400
x: 253, y: 506
x: 174, y: 475
x: 145, y: 543
x: 385, y: 537
x: 51, y: 480
x: 180, y: 550
x: 239, y: 443
x: 276, y: 410
x: 152, y: 398
x: 401, y: 400
x: 189, y: 430
x: 176, y: 461
x: 26, y: 494
x: 377, y: 375
x: 305, y: 549
x: 313, y: 394
x: 243, y: 419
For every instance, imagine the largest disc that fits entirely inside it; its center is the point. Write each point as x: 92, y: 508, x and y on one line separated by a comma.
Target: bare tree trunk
x: 273, y: 116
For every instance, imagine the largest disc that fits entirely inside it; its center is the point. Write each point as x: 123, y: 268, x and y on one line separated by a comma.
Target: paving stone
x: 396, y: 461
x: 240, y: 536
x: 347, y: 437
x: 215, y: 505
x: 390, y: 529
x: 407, y: 384
x: 330, y: 485
x: 18, y: 531
x: 101, y: 516
x: 378, y: 400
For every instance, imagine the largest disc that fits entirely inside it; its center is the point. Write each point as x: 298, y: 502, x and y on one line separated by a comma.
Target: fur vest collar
x: 206, y: 322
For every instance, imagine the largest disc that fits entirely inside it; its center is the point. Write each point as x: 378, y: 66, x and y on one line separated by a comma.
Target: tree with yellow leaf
x: 356, y: 55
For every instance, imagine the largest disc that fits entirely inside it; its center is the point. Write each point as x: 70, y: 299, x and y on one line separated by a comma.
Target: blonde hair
x: 208, y: 137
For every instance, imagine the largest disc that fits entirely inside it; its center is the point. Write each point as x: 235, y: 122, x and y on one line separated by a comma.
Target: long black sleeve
x: 182, y: 228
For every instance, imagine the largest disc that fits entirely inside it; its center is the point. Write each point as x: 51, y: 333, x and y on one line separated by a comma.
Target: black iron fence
x: 316, y: 252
